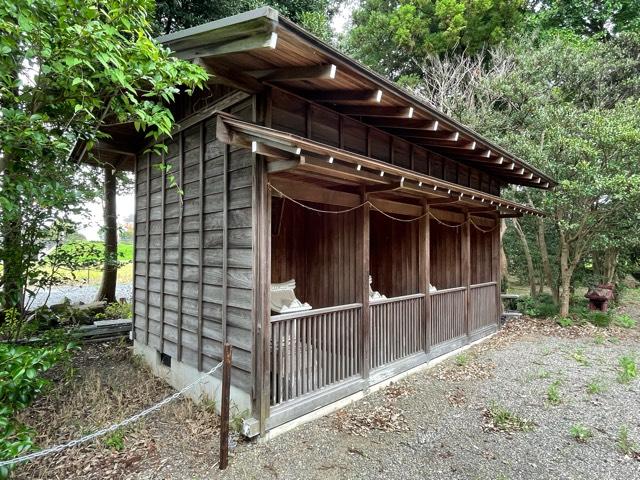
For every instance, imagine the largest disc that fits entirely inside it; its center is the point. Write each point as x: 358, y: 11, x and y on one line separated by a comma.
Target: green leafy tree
x: 172, y: 15
x: 587, y: 17
x: 67, y: 68
x: 394, y: 37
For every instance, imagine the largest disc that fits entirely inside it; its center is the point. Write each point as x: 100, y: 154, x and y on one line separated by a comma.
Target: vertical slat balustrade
x: 447, y: 314
x: 483, y: 308
x: 313, y: 349
x: 396, y: 328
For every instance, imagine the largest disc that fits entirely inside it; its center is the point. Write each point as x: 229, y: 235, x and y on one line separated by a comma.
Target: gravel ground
x: 77, y: 293
x: 445, y: 437
x: 431, y: 425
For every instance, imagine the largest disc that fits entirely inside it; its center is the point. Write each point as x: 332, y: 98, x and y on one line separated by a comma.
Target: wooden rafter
x: 313, y: 72
x: 376, y: 111
x: 330, y: 96
x: 259, y: 41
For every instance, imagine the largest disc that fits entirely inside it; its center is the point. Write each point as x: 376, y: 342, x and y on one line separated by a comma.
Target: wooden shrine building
x: 300, y: 164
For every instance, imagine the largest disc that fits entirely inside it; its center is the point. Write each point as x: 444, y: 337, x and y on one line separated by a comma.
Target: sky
x: 93, y: 220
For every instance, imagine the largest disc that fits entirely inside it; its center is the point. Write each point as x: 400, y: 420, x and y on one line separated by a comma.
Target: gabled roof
x: 262, y: 48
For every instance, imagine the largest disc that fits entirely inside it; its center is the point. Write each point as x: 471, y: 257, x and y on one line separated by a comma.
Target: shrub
x: 541, y: 306
x: 115, y: 440
x: 599, y: 319
x: 118, y: 310
x: 580, y: 433
x: 628, y: 370
x: 20, y: 384
x: 624, y: 321
x: 564, y: 322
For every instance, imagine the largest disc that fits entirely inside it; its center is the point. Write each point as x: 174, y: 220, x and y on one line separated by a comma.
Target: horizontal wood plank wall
x: 394, y: 256
x: 318, y: 250
x: 481, y: 255
x: 445, y: 258
x: 293, y: 114
x: 181, y: 273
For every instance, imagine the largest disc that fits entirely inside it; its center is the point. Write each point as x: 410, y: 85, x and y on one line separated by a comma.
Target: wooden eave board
x: 228, y: 123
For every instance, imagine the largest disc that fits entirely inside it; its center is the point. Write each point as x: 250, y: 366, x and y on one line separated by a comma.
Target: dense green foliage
x: 172, y: 15
x: 21, y: 382
x: 393, y: 37
x: 67, y: 68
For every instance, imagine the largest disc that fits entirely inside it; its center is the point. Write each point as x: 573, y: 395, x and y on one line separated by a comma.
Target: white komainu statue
x: 283, y: 298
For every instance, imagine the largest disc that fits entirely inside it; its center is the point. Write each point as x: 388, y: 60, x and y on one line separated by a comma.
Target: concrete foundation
x: 179, y: 375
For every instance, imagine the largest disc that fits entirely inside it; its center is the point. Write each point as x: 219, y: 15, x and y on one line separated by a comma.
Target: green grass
x: 624, y: 321
x: 627, y: 370
x: 462, y: 359
x: 115, y: 440
x: 579, y: 356
x: 625, y: 445
x: 504, y: 420
x: 580, y: 433
x: 553, y: 393
x: 595, y: 386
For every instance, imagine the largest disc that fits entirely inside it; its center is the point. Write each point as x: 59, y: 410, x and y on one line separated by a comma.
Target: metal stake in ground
x: 224, y: 409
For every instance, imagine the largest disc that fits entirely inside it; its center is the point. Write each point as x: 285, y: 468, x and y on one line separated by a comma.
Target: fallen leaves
x: 385, y: 418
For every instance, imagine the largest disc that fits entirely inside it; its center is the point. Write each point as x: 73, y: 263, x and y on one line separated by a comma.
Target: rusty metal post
x: 224, y: 409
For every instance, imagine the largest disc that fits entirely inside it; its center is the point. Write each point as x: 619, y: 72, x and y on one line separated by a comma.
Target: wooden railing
x: 483, y: 305
x: 313, y: 349
x: 396, y: 328
x: 447, y: 314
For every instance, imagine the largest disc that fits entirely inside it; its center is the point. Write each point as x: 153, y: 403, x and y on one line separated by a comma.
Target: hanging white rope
x: 373, y: 206
x: 112, y: 428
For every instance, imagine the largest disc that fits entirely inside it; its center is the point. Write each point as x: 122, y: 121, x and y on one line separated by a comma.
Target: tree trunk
x: 566, y: 272
x: 107, y: 289
x: 546, y: 265
x: 610, y: 265
x: 527, y: 255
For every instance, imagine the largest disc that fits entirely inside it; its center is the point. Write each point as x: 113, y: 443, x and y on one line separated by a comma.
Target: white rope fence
x: 112, y: 428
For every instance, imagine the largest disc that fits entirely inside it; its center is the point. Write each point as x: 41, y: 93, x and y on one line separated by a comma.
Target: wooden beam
x: 375, y: 111
x: 422, y: 135
x: 330, y: 96
x: 259, y: 41
x: 384, y: 188
x: 282, y: 165
x: 398, y: 208
x: 313, y: 72
x: 307, y: 192
x: 405, y: 123
x: 340, y: 171
x: 442, y: 201
x: 233, y: 78
x: 424, y: 273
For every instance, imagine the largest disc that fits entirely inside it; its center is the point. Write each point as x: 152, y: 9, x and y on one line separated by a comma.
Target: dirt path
x: 434, y: 424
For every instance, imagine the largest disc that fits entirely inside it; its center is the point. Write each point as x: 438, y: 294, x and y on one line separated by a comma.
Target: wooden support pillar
x: 225, y: 406
x: 496, y: 269
x: 362, y: 279
x: 424, y: 275
x: 466, y: 272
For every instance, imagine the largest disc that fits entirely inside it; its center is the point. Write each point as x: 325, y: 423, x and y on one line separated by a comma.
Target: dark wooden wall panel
x: 394, y: 256
x: 481, y: 255
x: 446, y: 261
x: 318, y: 250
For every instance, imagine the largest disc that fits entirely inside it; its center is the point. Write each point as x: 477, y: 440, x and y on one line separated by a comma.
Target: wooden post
x: 496, y: 269
x: 362, y: 285
x: 466, y: 272
x: 224, y: 409
x: 424, y: 274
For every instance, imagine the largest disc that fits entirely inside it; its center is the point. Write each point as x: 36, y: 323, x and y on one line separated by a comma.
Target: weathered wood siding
x: 318, y: 250
x: 394, y: 256
x: 481, y: 255
x: 296, y: 115
x: 446, y: 256
x: 194, y: 257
